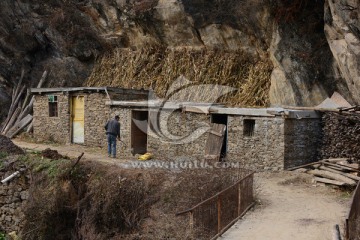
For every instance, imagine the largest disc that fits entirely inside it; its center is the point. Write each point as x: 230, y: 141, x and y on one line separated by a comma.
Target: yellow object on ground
x: 146, y: 156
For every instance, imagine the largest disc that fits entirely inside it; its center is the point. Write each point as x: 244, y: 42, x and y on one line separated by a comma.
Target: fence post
x: 191, y: 221
x: 219, y: 213
x: 239, y: 198
x: 347, y: 233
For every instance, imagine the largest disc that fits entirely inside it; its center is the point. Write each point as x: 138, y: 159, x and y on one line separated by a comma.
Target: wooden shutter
x: 215, y: 141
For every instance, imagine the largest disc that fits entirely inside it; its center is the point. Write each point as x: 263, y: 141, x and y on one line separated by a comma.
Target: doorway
x: 139, y: 129
x: 77, y: 119
x: 221, y: 119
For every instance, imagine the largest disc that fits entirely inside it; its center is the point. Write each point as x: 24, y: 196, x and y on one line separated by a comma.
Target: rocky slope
x: 67, y: 37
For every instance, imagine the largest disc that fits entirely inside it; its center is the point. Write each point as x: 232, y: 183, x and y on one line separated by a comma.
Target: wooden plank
x: 342, y: 166
x: 312, y: 108
x: 302, y: 166
x: 349, y: 175
x: 242, y: 111
x: 30, y: 127
x: 301, y: 170
x: 11, y: 121
x: 20, y: 82
x: 18, y: 127
x: 26, y: 99
x: 333, y: 176
x: 328, y: 181
x: 216, y: 133
x: 335, y: 168
x: 197, y: 109
x: 13, y: 106
x: 335, y: 159
x: 74, y: 89
x: 214, y: 141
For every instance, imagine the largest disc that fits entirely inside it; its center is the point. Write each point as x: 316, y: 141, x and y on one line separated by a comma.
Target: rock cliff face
x: 68, y: 36
x: 342, y: 28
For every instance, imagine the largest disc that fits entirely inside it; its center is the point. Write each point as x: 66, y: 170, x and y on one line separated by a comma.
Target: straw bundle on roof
x: 158, y: 68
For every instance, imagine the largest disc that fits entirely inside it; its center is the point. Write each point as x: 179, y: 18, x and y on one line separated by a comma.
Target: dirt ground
x: 290, y: 206
x: 9, y: 147
x: 74, y: 151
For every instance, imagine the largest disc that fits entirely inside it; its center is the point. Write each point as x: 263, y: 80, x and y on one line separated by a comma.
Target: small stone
x: 24, y: 195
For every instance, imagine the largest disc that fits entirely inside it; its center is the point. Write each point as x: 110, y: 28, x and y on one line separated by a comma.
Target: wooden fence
x: 352, y: 224
x: 212, y: 217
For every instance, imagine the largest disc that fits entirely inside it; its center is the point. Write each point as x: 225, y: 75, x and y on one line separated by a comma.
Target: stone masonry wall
x: 262, y: 151
x: 302, y: 141
x: 13, y: 196
x: 52, y: 128
x: 180, y: 137
x: 96, y: 116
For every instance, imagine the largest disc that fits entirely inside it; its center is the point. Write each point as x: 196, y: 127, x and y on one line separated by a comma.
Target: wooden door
x: 215, y: 141
x: 78, y: 119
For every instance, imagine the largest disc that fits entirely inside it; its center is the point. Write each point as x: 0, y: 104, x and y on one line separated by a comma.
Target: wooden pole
x: 191, y: 222
x: 239, y: 198
x: 349, y: 175
x: 336, y: 232
x: 11, y: 121
x: 301, y: 166
x: 334, y: 176
x: 18, y: 127
x: 219, y: 213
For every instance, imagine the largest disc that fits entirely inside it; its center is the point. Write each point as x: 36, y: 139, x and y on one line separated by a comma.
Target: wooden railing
x: 212, y: 217
x: 352, y: 224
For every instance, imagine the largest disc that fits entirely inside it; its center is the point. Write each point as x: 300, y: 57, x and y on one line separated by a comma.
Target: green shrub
x: 3, y: 155
x: 2, y: 236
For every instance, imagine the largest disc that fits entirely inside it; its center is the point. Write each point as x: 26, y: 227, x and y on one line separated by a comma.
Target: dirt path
x: 291, y: 208
x: 73, y: 151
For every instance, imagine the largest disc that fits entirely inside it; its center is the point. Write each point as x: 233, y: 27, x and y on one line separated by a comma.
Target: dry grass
x: 157, y: 68
x: 93, y: 201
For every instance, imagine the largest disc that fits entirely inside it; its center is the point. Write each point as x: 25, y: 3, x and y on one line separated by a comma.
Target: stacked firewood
x: 335, y: 171
x: 19, y: 116
x: 341, y: 134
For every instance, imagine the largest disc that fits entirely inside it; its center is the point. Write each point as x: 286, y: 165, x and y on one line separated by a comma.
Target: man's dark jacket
x: 113, y: 127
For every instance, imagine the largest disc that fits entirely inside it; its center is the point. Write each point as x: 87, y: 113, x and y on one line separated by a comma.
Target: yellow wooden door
x: 78, y: 119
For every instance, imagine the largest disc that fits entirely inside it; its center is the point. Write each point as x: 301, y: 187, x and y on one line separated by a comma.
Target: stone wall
x: 181, y: 135
x: 302, y: 140
x: 166, y: 144
x: 96, y: 116
x: 52, y: 128
x: 276, y: 143
x: 263, y: 150
x: 13, y: 196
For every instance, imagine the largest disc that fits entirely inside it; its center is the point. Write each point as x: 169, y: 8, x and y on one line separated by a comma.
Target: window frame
x: 53, y: 106
x: 249, y: 127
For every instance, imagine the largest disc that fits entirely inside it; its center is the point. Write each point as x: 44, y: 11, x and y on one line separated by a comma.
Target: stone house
x: 76, y: 115
x: 267, y: 138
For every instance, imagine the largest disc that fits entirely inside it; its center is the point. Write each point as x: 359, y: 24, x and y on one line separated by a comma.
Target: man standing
x: 112, y: 128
